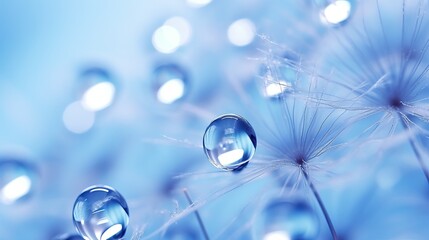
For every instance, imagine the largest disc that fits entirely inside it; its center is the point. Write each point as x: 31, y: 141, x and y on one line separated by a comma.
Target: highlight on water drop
x: 101, y: 213
x: 17, y: 180
x: 229, y: 142
x: 170, y: 83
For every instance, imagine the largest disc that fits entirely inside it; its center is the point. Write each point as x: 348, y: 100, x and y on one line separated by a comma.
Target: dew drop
x: 287, y: 219
x: 170, y: 83
x: 336, y: 12
x: 98, y: 89
x: 100, y: 212
x: 229, y: 142
x: 17, y: 180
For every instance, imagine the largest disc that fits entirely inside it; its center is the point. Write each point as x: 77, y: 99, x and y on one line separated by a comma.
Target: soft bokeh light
x: 77, y: 119
x: 277, y: 88
x: 15, y: 189
x: 277, y: 235
x: 99, y: 96
x: 166, y: 39
x: 198, y: 3
x: 336, y: 12
x: 182, y: 26
x: 241, y: 32
x: 171, y: 91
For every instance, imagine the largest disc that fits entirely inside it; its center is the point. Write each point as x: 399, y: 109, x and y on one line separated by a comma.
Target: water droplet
x: 98, y: 89
x: 229, y: 142
x: 170, y: 83
x: 180, y: 233
x: 336, y: 12
x: 287, y: 219
x: 16, y: 180
x: 100, y: 212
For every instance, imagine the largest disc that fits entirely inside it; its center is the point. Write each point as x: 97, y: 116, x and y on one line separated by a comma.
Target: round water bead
x: 170, y: 83
x: 180, y: 233
x: 98, y: 89
x: 17, y: 180
x: 100, y: 213
x: 335, y: 13
x: 229, y: 142
x: 287, y: 219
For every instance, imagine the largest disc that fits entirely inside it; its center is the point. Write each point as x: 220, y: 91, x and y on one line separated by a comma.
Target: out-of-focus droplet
x: 69, y: 237
x: 180, y: 233
x: 198, y: 3
x: 287, y: 219
x: 182, y: 26
x: 241, y: 32
x: 98, y: 89
x: 101, y: 213
x: 175, y: 32
x: 336, y: 12
x: 229, y: 142
x: 170, y: 83
x: 78, y: 119
x: 16, y: 180
x: 166, y: 39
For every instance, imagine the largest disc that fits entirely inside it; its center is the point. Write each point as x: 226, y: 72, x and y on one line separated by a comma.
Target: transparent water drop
x: 98, y: 89
x: 336, y: 12
x: 170, y: 83
x: 229, y: 142
x: 17, y: 180
x: 100, y: 213
x: 287, y: 219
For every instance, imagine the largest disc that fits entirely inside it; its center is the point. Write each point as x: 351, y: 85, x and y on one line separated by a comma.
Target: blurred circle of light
x: 198, y: 3
x: 99, y: 96
x: 336, y: 12
x: 15, y: 181
x: 171, y: 91
x: 241, y: 32
x: 77, y: 118
x: 276, y: 88
x: 166, y: 39
x: 182, y: 26
x: 277, y: 235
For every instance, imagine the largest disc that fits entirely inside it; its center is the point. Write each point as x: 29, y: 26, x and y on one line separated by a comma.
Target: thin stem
x: 416, y: 152
x: 320, y: 202
x: 200, y: 221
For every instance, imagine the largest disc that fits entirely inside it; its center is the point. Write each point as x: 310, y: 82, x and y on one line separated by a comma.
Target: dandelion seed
x: 380, y: 68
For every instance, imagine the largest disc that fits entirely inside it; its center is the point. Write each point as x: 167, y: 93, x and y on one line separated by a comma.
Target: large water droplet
x: 16, y: 180
x: 229, y: 142
x: 170, y: 83
x: 287, y: 219
x: 100, y: 213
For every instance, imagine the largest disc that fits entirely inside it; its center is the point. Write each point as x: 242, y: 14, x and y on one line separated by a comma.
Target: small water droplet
x: 98, y: 89
x: 287, y: 219
x: 100, y: 212
x: 17, y: 180
x: 170, y: 83
x: 229, y: 142
x: 336, y: 13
